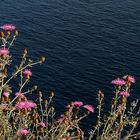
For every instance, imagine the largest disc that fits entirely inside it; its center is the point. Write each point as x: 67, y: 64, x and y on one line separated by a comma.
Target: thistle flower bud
x: 52, y: 94
x: 35, y: 87
x: 120, y: 109
x: 71, y: 104
x: 100, y: 95
x: 119, y: 88
x: 113, y: 103
x: 78, y: 133
x: 1, y: 34
x: 6, y: 99
x: 3, y: 57
x: 46, y: 102
x: 52, y: 109
x: 16, y: 33
x: 88, y: 112
x: 123, y: 101
x: 40, y: 94
x: 25, y: 52
x: 35, y: 116
x: 66, y: 113
x: 5, y: 71
x: 75, y: 117
x: 8, y: 33
x: 129, y: 84
x: 109, y: 121
x: 42, y: 59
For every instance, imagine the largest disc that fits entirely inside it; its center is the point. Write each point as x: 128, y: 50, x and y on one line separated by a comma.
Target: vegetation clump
x: 24, y: 119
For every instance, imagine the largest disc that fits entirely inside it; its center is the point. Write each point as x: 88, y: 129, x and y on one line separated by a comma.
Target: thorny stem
x: 135, y: 135
x: 99, y: 115
x: 19, y: 70
x: 93, y: 132
x: 41, y: 108
x: 14, y: 37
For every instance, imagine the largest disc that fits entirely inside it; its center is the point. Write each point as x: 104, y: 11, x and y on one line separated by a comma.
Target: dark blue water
x: 87, y: 42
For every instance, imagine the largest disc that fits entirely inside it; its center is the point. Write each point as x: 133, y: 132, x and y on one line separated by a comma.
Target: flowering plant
x: 123, y: 118
x: 24, y: 119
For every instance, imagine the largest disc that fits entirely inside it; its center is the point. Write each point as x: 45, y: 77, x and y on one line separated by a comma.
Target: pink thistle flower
x: 23, y: 132
x: 8, y: 27
x: 119, y: 82
x: 6, y: 94
x: 25, y: 105
x: 89, y: 108
x: 77, y: 103
x: 20, y: 105
x: 27, y: 72
x: 129, y: 78
x: 125, y: 94
x: 42, y: 124
x: 20, y: 95
x: 30, y: 104
x: 4, y: 51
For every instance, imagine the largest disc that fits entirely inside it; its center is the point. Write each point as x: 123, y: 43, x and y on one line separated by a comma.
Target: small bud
x: 16, y: 33
x: 35, y: 116
x: 52, y: 109
x: 120, y: 109
x: 46, y: 102
x: 6, y: 98
x: 35, y: 87
x: 25, y: 52
x: 4, y: 71
x: 66, y: 113
x: 88, y: 112
x: 100, y: 95
x: 42, y: 59
x: 123, y: 101
x: 1, y: 34
x: 8, y: 33
x: 40, y: 94
x: 75, y: 117
x: 78, y: 133
x: 52, y: 94
x: 71, y: 104
x: 129, y: 84
x: 119, y: 87
x: 113, y: 103
x: 109, y: 121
